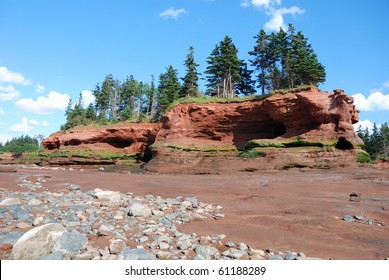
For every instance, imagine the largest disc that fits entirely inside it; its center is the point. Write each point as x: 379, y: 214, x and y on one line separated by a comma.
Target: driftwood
x: 355, y: 197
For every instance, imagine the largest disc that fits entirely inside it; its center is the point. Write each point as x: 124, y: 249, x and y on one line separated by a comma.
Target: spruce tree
x: 261, y: 59
x: 190, y: 85
x: 247, y: 84
x: 168, y: 89
x: 223, y: 71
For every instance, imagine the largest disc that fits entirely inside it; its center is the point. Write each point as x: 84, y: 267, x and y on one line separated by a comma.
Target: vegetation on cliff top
x: 279, y: 60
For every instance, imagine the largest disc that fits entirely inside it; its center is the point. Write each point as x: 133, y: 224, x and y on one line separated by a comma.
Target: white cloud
x: 23, y: 127
x: 26, y: 125
x: 375, y: 101
x: 172, y: 13
x: 7, y: 76
x: 8, y: 93
x: 386, y: 84
x: 87, y: 97
x: 365, y: 124
x: 2, y: 112
x: 4, y: 138
x: 39, y: 88
x: 277, y: 18
x: 276, y: 13
x: 44, y: 105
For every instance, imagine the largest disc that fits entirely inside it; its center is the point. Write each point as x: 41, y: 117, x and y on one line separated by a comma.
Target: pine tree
x: 168, y: 89
x: 261, y: 59
x: 190, y: 85
x: 223, y: 71
x: 247, y: 84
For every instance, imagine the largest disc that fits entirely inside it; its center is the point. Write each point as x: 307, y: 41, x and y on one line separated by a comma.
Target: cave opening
x: 264, y: 129
x: 344, y: 144
x: 119, y: 144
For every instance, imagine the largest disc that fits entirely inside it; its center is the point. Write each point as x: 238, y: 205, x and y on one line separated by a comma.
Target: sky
x: 51, y: 51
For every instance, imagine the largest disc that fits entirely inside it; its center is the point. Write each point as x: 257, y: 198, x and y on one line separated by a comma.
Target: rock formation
x: 132, y: 138
x: 309, y: 115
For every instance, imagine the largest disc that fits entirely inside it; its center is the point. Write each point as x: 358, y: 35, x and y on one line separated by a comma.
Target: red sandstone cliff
x: 132, y: 138
x: 310, y: 115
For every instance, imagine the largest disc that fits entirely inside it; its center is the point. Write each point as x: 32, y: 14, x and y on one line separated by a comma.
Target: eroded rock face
x: 130, y: 138
x: 311, y: 115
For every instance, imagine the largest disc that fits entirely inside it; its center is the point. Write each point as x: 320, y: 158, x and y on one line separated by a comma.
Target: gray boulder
x: 135, y: 254
x: 37, y: 242
x: 70, y: 243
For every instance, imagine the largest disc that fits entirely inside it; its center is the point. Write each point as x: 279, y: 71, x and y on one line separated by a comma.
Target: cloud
x: 364, y: 124
x: 172, y: 13
x: 2, y: 112
x: 7, y: 76
x: 375, y: 101
x: 277, y: 18
x: 87, y: 97
x: 25, y: 126
x: 39, y: 88
x: 386, y: 84
x: 44, y: 105
x: 8, y: 93
x: 4, y: 138
x: 275, y: 12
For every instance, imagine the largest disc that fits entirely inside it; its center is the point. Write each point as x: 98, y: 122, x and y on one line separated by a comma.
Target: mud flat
x: 275, y: 213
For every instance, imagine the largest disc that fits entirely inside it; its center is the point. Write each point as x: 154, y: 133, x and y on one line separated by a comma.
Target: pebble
x: 119, y: 219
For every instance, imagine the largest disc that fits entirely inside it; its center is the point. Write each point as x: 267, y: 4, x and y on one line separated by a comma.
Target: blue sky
x: 51, y: 51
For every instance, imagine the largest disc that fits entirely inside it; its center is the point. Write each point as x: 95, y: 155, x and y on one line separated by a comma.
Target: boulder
x: 70, y: 243
x: 108, y: 195
x: 9, y: 201
x: 140, y: 210
x: 37, y: 242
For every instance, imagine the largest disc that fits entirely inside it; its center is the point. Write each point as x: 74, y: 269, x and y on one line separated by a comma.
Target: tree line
x: 22, y: 144
x: 278, y: 60
x: 376, y: 141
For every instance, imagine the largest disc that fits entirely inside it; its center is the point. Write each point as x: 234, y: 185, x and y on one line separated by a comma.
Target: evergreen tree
x: 223, y: 71
x: 261, y: 59
x: 90, y: 113
x: 247, y: 84
x: 285, y: 60
x: 150, y: 99
x: 190, y: 85
x: 168, y: 89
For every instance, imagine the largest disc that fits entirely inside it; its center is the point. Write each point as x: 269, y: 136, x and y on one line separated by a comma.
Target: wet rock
x: 348, y: 218
x: 135, y: 254
x: 140, y: 210
x: 37, y: 242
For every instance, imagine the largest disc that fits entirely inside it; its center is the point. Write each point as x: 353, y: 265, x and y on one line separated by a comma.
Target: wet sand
x: 294, y: 210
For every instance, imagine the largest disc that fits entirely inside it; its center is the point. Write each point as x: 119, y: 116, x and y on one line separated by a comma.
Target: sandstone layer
x: 132, y: 138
